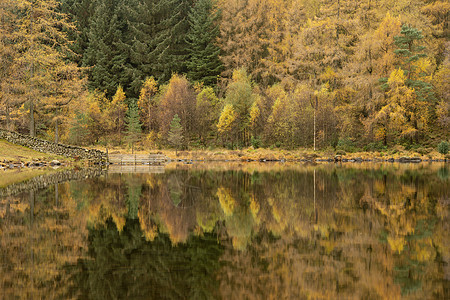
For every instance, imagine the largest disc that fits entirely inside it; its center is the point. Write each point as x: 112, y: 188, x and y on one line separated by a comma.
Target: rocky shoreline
x: 4, y: 165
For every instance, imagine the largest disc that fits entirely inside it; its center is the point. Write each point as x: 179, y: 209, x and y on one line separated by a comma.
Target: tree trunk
x: 315, y: 125
x: 56, y: 132
x: 56, y: 195
x: 32, y: 127
x: 7, y: 117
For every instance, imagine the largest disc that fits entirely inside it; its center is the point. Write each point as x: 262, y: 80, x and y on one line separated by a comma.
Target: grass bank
x: 278, y: 154
x: 15, y: 153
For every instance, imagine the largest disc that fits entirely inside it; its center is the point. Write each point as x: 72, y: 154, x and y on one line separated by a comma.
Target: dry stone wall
x: 43, y: 181
x: 50, y: 147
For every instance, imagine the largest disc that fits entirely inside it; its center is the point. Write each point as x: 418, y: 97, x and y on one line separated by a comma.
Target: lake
x: 231, y: 231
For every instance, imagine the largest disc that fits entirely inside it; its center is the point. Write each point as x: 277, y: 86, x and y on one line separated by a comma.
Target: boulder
x: 55, y: 163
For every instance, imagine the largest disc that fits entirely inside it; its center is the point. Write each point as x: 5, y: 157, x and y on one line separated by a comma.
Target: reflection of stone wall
x: 50, y: 147
x: 44, y: 181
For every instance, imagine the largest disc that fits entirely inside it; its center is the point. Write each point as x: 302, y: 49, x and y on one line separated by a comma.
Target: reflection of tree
x: 123, y: 265
x: 41, y: 232
x: 378, y: 233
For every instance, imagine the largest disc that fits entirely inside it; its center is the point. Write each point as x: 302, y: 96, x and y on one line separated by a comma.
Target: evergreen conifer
x: 203, y: 62
x: 411, y: 52
x: 132, y: 124
x: 175, y: 137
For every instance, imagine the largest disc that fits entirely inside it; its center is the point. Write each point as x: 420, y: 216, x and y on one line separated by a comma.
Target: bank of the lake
x: 301, y: 154
x: 14, y: 156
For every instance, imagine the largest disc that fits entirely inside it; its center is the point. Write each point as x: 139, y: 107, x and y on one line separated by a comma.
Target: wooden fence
x: 137, y: 159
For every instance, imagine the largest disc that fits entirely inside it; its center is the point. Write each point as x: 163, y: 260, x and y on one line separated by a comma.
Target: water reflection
x: 233, y: 232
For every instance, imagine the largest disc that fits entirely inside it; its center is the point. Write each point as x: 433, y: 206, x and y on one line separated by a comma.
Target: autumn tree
x: 47, y: 77
x: 116, y: 111
x: 207, y: 113
x: 148, y: 105
x: 241, y: 35
x: 9, y: 70
x: 227, y: 124
x: 178, y: 98
x: 241, y: 97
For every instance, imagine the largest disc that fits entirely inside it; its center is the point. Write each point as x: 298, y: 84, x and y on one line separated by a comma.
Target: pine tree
x: 133, y: 125
x: 414, y: 63
x: 175, y: 136
x: 80, y: 12
x: 175, y: 58
x: 203, y: 62
x: 158, y: 47
x: 107, y: 53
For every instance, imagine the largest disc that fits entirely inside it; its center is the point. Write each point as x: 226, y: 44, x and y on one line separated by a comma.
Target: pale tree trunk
x: 314, y: 129
x: 32, y: 125
x: 56, y: 194
x: 32, y: 122
x: 56, y: 132
x: 7, y: 117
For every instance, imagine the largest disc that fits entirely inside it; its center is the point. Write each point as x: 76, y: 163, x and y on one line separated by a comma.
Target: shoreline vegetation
x: 14, y: 156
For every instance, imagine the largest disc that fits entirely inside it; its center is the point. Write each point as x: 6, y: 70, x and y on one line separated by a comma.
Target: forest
x: 360, y: 74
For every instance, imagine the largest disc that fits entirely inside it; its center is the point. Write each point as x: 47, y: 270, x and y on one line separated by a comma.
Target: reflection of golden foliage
x: 328, y: 245
x: 119, y: 221
x: 254, y: 208
x: 227, y: 201
x: 323, y: 229
x: 396, y: 243
x: 424, y: 251
x: 240, y: 242
x: 149, y: 229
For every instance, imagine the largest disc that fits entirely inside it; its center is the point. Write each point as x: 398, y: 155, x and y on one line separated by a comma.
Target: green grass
x: 12, y: 152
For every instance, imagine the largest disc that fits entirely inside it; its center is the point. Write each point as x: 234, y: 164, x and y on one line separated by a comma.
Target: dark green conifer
x: 106, y: 53
x: 175, y: 137
x: 80, y: 12
x: 133, y: 125
x: 203, y: 62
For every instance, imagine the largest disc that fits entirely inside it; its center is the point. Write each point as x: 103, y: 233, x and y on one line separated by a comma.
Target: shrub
x: 255, y: 142
x: 340, y: 152
x: 375, y: 147
x: 346, y: 144
x: 443, y: 147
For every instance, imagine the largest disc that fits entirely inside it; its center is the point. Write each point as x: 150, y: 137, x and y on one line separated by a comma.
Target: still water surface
x: 232, y: 231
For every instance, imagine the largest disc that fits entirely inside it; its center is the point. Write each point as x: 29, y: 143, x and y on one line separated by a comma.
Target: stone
x: 55, y: 163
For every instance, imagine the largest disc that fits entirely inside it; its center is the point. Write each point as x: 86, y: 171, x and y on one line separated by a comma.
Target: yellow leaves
x: 423, y: 65
x: 148, y: 90
x: 254, y: 207
x: 240, y: 75
x: 226, y: 119
x: 254, y: 114
x: 226, y: 200
x: 328, y: 75
x: 380, y: 133
x: 151, y: 139
x: 119, y: 97
x: 397, y: 78
x: 396, y: 243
